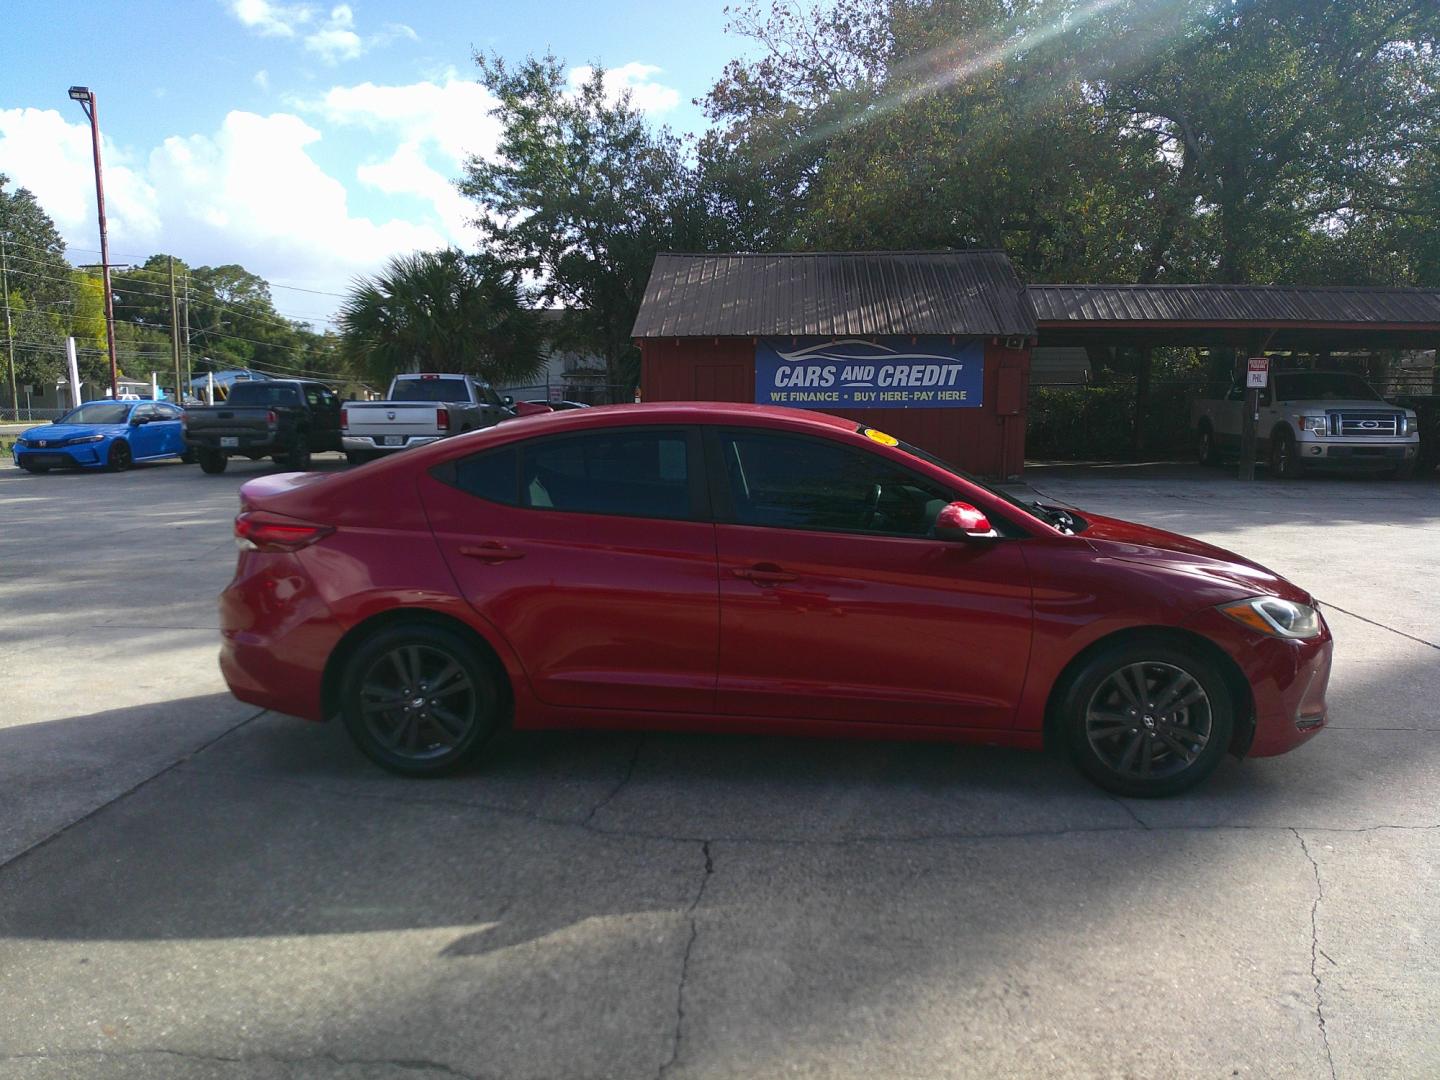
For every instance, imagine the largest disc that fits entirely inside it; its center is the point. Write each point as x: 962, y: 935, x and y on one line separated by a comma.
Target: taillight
x: 256, y: 530
x: 271, y: 418
x: 442, y: 419
x: 344, y: 419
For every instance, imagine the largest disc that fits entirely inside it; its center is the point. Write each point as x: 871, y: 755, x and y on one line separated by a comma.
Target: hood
x: 58, y: 433
x: 1143, y: 545
x: 1346, y: 405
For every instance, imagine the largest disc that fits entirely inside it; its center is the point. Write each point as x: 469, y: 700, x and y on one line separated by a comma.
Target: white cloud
x: 452, y: 114
x: 271, y: 20
x: 645, y: 94
x: 249, y: 193
x: 337, y: 39
x: 262, y: 79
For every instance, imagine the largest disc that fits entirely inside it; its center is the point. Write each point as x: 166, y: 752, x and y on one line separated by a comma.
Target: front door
x: 836, y: 604
x: 592, y: 555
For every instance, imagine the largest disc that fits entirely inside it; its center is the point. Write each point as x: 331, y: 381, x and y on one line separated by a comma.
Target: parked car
x: 1322, y: 420
x: 701, y: 566
x: 558, y: 406
x: 109, y: 435
x: 288, y: 419
x: 419, y: 409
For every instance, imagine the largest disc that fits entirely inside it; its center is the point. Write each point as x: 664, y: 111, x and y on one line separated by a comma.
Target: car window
x: 99, y: 413
x: 145, y: 412
x: 630, y: 473
x: 313, y: 397
x: 168, y: 412
x: 491, y: 476
x: 430, y: 388
x: 792, y: 482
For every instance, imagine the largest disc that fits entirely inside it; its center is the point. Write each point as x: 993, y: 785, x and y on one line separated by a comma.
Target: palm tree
x: 441, y: 311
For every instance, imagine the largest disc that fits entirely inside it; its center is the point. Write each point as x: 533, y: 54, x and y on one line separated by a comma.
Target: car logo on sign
x: 389, y: 414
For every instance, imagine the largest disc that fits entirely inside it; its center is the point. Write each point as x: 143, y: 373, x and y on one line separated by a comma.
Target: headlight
x: 84, y: 439
x: 1406, y: 423
x: 1275, y: 617
x: 1316, y: 425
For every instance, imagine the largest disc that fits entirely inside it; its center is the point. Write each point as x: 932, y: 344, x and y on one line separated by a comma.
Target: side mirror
x: 507, y: 401
x: 961, y: 521
x: 531, y: 408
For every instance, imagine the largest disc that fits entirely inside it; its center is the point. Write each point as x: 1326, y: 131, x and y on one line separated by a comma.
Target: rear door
x: 592, y: 555
x: 148, y: 438
x: 837, y: 604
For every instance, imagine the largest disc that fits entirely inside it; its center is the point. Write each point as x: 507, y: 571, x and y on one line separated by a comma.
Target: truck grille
x: 1367, y: 424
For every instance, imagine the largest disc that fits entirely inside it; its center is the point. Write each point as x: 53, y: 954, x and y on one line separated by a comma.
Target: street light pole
x: 86, y: 98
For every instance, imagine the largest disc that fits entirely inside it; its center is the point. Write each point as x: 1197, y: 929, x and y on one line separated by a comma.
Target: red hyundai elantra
x: 744, y: 568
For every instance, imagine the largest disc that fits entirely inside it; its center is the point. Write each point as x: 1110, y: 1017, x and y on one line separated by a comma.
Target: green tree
x: 441, y: 311
x: 581, y: 195
x: 39, y: 285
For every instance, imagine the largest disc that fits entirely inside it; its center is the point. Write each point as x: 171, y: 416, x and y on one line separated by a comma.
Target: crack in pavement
x: 409, y: 1064
x: 669, y: 1062
x: 1380, y: 625
x: 131, y: 790
x: 1314, y: 949
x: 625, y: 779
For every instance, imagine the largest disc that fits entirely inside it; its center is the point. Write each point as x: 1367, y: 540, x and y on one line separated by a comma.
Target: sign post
x: 1257, y: 377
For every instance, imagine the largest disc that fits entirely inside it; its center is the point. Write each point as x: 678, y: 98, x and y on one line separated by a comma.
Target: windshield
x: 1323, y: 386
x: 263, y: 393
x: 430, y: 390
x: 100, y: 413
x: 1034, y: 509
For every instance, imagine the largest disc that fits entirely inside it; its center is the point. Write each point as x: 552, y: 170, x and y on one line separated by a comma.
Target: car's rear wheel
x: 1205, y: 447
x: 213, y: 461
x: 119, y: 459
x: 1147, y: 719
x: 419, y: 701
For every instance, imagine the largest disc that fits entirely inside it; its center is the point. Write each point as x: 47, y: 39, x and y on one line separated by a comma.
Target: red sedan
x: 751, y: 569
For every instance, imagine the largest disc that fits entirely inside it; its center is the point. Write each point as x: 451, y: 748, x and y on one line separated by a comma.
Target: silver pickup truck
x: 419, y: 409
x: 1312, y: 420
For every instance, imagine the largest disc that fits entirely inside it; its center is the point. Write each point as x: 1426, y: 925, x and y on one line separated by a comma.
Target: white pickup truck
x: 419, y: 409
x: 1312, y: 420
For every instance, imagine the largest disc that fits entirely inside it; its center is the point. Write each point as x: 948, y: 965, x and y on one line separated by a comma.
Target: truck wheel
x: 1205, y: 447
x: 212, y: 461
x: 1284, y: 460
x: 298, y: 456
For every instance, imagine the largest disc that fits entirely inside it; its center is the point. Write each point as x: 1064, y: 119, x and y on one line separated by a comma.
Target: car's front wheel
x: 419, y: 701
x: 1146, y: 720
x: 119, y: 458
x: 1284, y: 456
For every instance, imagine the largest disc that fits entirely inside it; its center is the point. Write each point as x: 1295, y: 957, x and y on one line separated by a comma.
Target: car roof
x: 689, y: 412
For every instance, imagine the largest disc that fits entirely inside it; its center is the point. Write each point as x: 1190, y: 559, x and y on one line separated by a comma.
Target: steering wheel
x: 872, y: 512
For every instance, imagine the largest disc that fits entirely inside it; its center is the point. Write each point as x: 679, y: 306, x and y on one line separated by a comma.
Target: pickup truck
x: 1330, y: 420
x: 288, y: 419
x: 419, y: 409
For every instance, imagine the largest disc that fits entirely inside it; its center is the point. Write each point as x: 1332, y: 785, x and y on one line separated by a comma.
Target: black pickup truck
x: 287, y: 419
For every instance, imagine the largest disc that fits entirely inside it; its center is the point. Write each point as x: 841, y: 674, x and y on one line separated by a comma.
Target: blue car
x: 109, y: 435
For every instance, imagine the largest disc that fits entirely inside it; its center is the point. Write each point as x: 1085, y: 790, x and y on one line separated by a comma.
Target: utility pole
x: 175, y: 334
x: 9, y: 331
x: 86, y: 98
x: 189, y: 372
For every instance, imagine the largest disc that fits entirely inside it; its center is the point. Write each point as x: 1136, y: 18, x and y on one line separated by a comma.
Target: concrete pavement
x: 190, y: 889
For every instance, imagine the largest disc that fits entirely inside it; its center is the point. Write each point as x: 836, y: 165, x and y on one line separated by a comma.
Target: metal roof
x: 831, y: 294
x: 1077, y: 305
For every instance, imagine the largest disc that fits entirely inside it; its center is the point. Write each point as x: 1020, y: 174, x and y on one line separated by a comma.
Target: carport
x: 1236, y: 321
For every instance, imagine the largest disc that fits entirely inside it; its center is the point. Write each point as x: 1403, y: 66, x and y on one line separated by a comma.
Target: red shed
x: 930, y: 346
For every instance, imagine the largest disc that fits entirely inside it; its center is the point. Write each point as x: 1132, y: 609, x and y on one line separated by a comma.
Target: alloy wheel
x: 418, y: 702
x: 1149, y: 720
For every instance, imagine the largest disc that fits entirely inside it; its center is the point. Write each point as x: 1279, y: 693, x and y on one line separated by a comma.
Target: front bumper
x: 1354, y: 453
x: 1287, y: 679
x: 368, y: 443
x: 84, y: 456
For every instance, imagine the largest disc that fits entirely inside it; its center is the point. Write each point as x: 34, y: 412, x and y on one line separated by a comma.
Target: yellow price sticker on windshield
x: 881, y: 437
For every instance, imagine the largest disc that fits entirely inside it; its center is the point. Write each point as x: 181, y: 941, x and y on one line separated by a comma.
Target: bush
x: 1087, y: 423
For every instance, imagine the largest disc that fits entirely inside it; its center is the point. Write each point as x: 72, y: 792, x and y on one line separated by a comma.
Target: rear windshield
x: 430, y: 390
x: 259, y: 393
x: 103, y: 413
x: 1323, y: 386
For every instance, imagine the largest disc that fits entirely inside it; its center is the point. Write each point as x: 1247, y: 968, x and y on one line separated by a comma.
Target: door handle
x: 491, y: 551
x: 764, y: 574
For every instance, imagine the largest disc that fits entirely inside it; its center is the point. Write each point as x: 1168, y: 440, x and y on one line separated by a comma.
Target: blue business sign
x: 894, y: 373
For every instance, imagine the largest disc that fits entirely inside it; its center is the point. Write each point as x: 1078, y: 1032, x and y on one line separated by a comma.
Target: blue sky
x: 307, y: 141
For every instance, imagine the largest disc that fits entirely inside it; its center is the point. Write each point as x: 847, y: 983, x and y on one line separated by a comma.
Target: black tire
x: 189, y: 456
x: 1285, y: 461
x: 297, y: 457
x: 1181, y: 747
x: 411, y: 740
x: 33, y: 468
x: 1205, y: 447
x: 119, y: 459
x: 356, y: 457
x: 213, y: 461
